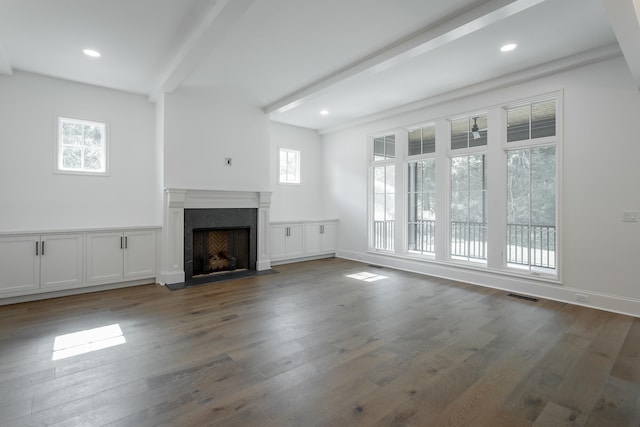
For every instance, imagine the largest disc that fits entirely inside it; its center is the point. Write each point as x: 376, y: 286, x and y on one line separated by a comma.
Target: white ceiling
x: 355, y: 58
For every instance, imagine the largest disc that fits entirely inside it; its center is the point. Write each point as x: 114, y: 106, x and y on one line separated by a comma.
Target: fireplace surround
x: 179, y: 201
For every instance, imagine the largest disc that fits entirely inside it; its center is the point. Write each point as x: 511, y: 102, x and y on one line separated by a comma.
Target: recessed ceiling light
x: 508, y: 47
x: 324, y: 112
x: 91, y: 53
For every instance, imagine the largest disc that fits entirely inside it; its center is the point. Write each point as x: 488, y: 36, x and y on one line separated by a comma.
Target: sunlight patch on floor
x: 366, y: 277
x: 87, y: 341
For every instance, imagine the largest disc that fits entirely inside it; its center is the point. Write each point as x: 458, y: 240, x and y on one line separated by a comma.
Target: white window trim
x: 495, y: 150
x: 58, y: 148
x: 298, y: 179
x: 556, y: 141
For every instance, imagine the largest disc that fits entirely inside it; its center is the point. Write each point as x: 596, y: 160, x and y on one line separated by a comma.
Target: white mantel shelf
x: 176, y: 200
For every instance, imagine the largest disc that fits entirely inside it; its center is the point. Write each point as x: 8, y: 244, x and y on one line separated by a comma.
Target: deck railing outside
x: 533, y: 245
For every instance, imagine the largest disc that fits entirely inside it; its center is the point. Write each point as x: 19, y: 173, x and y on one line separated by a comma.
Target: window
x: 384, y: 189
x: 421, y: 189
x: 421, y: 219
x: 384, y: 148
x: 469, y: 207
x: 422, y: 140
x: 531, y: 233
x: 289, y: 166
x: 469, y: 132
x: 450, y: 203
x: 82, y: 146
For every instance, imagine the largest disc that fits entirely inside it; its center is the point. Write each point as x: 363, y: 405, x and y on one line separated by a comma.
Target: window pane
x: 71, y: 158
x: 531, y: 207
x: 378, y: 179
x: 543, y: 186
x: 543, y: 119
x: 92, y: 159
x: 390, y: 211
x: 92, y: 136
x: 459, y: 133
x: 390, y: 146
x: 379, y: 210
x: 378, y: 149
x: 415, y: 142
x: 429, y: 139
x: 390, y: 181
x: 478, y: 134
x: 71, y: 133
x: 468, y: 207
x: 518, y: 123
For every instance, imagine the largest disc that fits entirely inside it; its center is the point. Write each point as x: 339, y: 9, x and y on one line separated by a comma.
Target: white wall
x: 204, y: 126
x: 601, y: 254
x: 33, y: 197
x: 304, y: 201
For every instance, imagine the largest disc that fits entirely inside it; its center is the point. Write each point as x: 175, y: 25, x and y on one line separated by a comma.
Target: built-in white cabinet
x: 41, y: 262
x: 286, y: 241
x: 320, y: 238
x: 33, y: 263
x: 116, y: 256
x: 296, y: 240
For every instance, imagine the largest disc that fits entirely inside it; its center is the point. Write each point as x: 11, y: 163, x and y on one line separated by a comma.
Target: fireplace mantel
x: 177, y: 200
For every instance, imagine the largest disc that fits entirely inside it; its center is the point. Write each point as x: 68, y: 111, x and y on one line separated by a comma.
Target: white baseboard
x: 74, y: 291
x: 511, y: 283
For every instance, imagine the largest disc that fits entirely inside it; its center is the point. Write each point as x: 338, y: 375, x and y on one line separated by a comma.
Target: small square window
x: 82, y: 146
x: 289, y: 166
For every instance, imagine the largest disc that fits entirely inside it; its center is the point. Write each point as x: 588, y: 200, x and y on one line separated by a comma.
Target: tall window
x: 289, y: 166
x: 421, y: 188
x: 384, y: 189
x: 469, y: 207
x: 82, y: 146
x: 531, y: 187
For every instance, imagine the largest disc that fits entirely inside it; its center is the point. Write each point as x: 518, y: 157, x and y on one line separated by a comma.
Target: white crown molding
x: 543, y: 70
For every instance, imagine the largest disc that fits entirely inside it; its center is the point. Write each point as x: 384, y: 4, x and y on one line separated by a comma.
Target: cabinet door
x: 61, y: 260
x: 329, y: 237
x: 104, y: 257
x: 277, y: 240
x: 295, y: 241
x: 140, y: 254
x: 19, y: 264
x: 313, y: 239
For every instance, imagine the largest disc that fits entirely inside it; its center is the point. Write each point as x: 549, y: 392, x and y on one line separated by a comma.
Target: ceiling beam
x: 426, y: 40
x: 209, y: 30
x: 624, y: 17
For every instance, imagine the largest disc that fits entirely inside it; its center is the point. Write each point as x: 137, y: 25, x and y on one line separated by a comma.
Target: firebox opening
x: 220, y: 250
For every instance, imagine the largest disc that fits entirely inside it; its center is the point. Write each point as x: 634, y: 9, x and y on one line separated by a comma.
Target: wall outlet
x: 227, y: 161
x: 582, y: 297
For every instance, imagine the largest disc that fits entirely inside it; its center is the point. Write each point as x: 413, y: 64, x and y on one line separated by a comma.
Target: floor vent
x: 375, y: 266
x: 523, y: 297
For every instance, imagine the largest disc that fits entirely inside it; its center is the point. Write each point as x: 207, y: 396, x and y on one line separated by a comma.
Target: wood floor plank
x: 313, y: 345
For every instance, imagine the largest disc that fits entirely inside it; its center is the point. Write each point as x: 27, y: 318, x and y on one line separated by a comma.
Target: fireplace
x: 220, y: 250
x: 219, y: 243
x: 184, y: 211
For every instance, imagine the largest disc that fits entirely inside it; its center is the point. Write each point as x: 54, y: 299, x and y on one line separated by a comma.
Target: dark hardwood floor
x: 311, y: 346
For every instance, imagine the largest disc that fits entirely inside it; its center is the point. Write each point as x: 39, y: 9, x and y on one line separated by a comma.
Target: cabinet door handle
x: 322, y: 229
x: 42, y: 251
x: 37, y: 248
x: 126, y: 242
x: 287, y: 231
x: 121, y: 246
